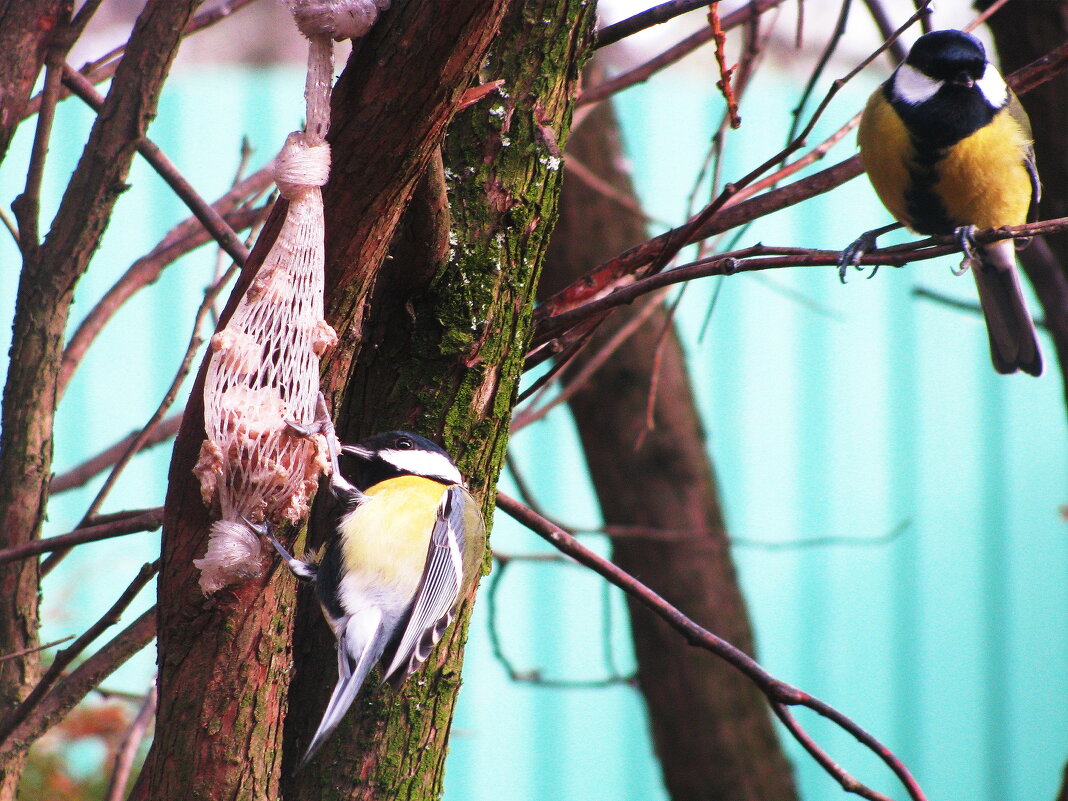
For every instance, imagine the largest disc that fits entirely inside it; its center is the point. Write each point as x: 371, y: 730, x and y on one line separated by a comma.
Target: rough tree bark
x: 49, y: 274
x: 27, y: 28
x: 711, y: 727
x: 442, y: 352
x: 1023, y: 31
x: 224, y: 661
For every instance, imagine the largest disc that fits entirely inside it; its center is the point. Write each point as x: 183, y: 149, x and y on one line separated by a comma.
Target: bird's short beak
x: 963, y: 79
x: 357, y: 451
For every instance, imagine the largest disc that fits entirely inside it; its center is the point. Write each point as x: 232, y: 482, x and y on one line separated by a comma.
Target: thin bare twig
x: 581, y: 378
x: 725, y: 72
x: 139, y: 441
x: 602, y: 278
x: 144, y: 520
x: 597, y: 184
x: 83, y: 473
x: 36, y: 648
x: 27, y: 206
x: 131, y: 741
x: 102, y: 68
x: 534, y: 675
x: 220, y: 231
x: 180, y: 240
x: 985, y: 15
x: 68, y: 654
x: 762, y: 257
x: 780, y: 695
x: 82, y: 680
x: 85, y: 13
x: 821, y: 65
x: 897, y: 50
x: 610, y: 34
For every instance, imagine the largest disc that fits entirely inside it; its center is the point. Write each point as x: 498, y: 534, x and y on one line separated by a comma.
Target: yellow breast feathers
x: 983, y: 180
x: 885, y: 152
x: 387, y: 536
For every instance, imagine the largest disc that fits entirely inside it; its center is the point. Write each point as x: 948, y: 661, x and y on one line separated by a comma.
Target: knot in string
x: 338, y: 19
x: 301, y: 165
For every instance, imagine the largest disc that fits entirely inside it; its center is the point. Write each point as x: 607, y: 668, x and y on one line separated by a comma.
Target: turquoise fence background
x: 898, y: 508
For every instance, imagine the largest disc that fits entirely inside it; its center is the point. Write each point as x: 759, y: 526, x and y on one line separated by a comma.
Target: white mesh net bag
x: 264, y: 369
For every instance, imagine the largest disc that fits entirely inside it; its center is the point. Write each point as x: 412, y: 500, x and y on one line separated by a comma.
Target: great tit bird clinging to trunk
x: 406, y: 548
x: 947, y: 147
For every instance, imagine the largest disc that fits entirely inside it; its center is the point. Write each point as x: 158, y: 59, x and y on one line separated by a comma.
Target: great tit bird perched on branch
x: 407, y: 547
x: 947, y: 147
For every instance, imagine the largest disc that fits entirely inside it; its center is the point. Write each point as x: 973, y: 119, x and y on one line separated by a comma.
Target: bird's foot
x: 851, y: 256
x: 324, y: 425
x: 969, y: 247
x: 302, y: 570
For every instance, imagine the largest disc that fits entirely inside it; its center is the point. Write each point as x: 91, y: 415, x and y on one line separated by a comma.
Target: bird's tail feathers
x: 1013, y: 340
x: 360, y: 646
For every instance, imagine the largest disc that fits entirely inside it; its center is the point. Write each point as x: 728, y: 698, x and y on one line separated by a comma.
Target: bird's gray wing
x: 439, y: 590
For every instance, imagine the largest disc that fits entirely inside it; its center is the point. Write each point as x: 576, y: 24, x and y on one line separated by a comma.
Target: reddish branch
x: 780, y: 695
x: 146, y: 520
x: 763, y: 257
x: 67, y: 655
x: 209, y: 218
x: 180, y: 240
x: 83, y: 473
x: 103, y: 68
x: 82, y: 680
x: 552, y: 316
x: 642, y: 73
x: 127, y: 751
x: 725, y: 72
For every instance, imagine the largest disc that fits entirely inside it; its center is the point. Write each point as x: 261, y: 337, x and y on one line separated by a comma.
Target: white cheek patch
x: 913, y: 87
x: 424, y: 463
x: 993, y: 87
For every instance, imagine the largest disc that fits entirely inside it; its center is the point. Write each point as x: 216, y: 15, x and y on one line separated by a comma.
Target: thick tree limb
x: 390, y: 109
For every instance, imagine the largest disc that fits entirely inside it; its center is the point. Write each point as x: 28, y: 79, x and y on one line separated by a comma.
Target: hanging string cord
x: 264, y: 372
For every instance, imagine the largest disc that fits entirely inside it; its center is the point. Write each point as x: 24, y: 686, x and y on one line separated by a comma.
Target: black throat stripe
x: 927, y: 213
x: 934, y: 126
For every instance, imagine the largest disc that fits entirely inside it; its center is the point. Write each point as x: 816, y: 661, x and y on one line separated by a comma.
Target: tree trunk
x: 49, y: 274
x: 442, y: 351
x: 711, y: 727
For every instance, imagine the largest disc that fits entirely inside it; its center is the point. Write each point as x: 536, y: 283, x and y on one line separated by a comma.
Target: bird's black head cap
x: 951, y: 56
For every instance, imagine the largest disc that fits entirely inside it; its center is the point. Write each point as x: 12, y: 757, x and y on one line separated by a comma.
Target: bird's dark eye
x: 405, y: 444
